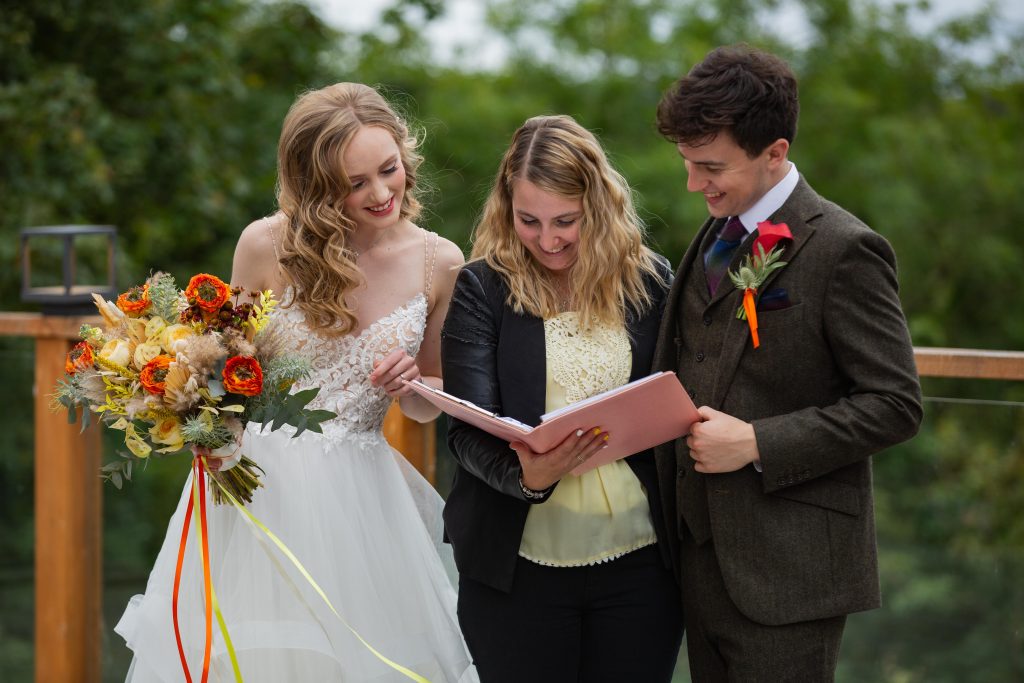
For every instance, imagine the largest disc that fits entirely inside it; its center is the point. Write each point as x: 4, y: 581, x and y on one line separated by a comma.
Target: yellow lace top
x: 602, y: 514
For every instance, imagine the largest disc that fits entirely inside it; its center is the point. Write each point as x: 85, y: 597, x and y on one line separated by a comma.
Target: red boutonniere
x: 756, y: 267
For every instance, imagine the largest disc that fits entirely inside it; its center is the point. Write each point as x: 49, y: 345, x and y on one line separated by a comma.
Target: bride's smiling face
x: 373, y: 164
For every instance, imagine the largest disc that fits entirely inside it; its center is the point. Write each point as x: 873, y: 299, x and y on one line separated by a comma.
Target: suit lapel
x: 799, y: 210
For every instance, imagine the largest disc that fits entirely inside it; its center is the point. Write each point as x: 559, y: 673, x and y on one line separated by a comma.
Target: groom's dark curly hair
x: 749, y: 93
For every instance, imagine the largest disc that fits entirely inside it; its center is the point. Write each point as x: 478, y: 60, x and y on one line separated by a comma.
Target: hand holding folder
x: 636, y: 416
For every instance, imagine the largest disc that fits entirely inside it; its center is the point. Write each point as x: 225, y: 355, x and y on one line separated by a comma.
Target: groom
x: 771, y: 493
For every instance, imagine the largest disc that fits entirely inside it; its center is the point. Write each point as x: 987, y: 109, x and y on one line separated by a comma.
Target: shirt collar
x: 771, y: 201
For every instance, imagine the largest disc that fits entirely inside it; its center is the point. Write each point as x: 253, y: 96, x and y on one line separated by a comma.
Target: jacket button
x: 707, y: 321
x: 681, y: 472
x: 700, y: 356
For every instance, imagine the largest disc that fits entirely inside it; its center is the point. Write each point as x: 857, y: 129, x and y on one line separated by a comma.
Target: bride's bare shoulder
x: 255, y: 265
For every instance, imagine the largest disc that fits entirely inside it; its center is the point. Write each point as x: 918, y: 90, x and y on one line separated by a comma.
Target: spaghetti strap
x: 273, y: 239
x: 429, y: 260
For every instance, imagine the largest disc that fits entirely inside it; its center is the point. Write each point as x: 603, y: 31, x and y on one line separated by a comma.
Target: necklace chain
x: 564, y: 299
x: 372, y: 244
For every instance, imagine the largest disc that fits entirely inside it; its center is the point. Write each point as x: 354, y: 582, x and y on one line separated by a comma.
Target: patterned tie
x: 718, y: 257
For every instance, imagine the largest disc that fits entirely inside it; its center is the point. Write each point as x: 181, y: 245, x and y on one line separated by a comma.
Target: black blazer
x: 495, y: 358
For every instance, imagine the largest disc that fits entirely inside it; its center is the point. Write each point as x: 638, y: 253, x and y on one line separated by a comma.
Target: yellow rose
x: 154, y: 328
x: 116, y: 351
x: 145, y: 353
x: 174, y: 336
x: 168, y: 432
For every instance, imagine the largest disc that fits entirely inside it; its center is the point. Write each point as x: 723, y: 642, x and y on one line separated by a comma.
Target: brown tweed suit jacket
x: 832, y: 383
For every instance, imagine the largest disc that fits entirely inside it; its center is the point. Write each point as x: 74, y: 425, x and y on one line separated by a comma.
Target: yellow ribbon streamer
x: 227, y: 639
x: 306, y: 575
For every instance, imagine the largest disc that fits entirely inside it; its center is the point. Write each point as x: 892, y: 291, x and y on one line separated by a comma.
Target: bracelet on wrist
x: 531, y: 494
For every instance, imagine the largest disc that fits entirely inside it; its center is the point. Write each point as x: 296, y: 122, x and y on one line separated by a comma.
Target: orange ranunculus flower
x: 135, y: 300
x: 79, y: 358
x: 154, y: 373
x: 243, y: 375
x: 208, y: 292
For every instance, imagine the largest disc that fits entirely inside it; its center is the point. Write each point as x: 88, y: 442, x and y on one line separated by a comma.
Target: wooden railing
x: 68, y: 509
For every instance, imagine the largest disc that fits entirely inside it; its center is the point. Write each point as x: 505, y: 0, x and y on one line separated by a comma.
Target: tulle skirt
x: 368, y: 529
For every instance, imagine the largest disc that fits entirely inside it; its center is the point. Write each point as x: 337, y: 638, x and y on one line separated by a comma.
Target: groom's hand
x: 721, y: 443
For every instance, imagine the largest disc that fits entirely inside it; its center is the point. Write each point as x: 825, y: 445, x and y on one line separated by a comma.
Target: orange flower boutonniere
x: 756, y: 267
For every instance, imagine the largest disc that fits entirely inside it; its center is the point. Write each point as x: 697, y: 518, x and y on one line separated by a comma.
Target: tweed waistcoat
x: 698, y: 351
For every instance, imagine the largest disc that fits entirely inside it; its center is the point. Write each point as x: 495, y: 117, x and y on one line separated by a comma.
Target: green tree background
x: 161, y: 117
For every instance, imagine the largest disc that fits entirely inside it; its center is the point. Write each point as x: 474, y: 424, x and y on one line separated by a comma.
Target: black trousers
x: 724, y: 646
x: 616, y: 621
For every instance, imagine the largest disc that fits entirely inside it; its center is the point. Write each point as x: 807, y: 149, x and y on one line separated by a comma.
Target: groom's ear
x: 777, y: 153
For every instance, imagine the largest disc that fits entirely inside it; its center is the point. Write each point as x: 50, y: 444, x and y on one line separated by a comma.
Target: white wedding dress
x: 356, y: 514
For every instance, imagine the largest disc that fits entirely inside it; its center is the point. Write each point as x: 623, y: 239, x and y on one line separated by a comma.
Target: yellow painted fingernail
x: 605, y: 437
x: 596, y: 431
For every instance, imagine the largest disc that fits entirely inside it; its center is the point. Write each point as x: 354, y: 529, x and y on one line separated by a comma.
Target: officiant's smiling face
x: 547, y: 224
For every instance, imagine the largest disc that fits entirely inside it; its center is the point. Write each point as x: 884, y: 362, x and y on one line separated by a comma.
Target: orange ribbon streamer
x: 197, y: 501
x: 177, y: 583
x: 751, y: 311
x: 205, y: 549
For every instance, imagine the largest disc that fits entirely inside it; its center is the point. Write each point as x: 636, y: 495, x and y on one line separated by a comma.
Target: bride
x: 364, y: 293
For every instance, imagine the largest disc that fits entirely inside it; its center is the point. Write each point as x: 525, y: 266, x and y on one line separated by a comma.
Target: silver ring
x: 579, y: 458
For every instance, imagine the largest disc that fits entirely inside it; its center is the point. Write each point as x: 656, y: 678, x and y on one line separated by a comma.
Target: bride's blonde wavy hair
x: 559, y: 156
x: 311, y: 189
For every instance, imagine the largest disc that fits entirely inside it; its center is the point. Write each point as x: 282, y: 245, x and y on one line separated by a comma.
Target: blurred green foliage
x: 161, y: 117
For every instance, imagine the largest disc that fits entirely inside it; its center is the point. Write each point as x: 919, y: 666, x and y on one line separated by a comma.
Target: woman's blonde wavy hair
x: 559, y: 156
x: 311, y: 189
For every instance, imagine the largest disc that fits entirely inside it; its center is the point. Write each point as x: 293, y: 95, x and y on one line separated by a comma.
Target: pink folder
x: 637, y: 416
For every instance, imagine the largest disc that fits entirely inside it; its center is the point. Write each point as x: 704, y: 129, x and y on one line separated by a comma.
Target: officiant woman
x: 562, y: 577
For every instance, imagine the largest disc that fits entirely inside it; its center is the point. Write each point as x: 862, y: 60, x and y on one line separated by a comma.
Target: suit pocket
x: 788, y: 317
x: 825, y: 493
x: 774, y: 300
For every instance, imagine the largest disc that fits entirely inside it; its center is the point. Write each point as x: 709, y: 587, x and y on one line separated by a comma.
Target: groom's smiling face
x: 730, y: 180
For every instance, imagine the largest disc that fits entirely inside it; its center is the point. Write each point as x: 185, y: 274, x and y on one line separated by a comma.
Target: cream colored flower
x: 116, y: 351
x: 146, y: 352
x: 136, y: 329
x: 154, y: 329
x: 167, y: 432
x: 174, y: 336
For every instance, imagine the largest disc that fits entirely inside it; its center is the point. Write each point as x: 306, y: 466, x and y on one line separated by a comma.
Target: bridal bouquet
x: 177, y: 369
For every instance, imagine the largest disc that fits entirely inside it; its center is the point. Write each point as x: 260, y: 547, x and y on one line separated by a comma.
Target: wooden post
x: 68, y: 516
x: 414, y: 440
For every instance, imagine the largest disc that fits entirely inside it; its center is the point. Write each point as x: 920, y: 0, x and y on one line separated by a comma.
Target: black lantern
x: 85, y: 254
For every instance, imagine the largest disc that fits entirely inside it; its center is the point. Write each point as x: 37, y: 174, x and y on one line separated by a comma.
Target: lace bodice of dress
x: 342, y: 365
